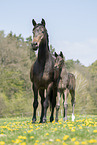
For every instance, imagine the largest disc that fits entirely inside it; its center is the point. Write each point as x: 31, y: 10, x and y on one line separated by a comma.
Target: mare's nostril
x: 33, y: 44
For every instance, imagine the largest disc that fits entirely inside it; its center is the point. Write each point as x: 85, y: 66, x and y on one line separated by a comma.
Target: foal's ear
x: 33, y: 22
x: 61, y: 54
x: 43, y: 22
x: 56, y: 54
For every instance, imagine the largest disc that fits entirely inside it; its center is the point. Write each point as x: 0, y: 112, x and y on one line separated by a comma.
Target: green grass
x: 21, y: 131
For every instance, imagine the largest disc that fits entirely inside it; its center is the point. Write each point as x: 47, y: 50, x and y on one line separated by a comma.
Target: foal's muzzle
x: 34, y: 45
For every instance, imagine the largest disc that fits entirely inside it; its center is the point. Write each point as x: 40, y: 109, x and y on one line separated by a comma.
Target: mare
x: 66, y: 84
x: 42, y: 72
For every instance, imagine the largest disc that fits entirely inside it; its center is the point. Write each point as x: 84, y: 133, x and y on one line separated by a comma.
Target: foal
x: 66, y: 85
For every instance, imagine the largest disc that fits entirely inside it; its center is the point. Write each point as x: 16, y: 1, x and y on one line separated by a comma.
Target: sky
x: 71, y: 24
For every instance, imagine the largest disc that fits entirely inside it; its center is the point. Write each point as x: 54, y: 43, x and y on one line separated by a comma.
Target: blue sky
x: 71, y: 24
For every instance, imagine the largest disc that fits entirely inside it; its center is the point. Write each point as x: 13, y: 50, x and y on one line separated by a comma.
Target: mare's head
x: 59, y: 61
x: 40, y: 35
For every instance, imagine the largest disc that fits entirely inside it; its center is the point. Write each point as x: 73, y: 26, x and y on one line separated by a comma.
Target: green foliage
x: 16, y: 58
x: 52, y: 50
x: 15, y: 64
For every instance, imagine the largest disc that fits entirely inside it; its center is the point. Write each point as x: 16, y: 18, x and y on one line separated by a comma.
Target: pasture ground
x: 21, y: 131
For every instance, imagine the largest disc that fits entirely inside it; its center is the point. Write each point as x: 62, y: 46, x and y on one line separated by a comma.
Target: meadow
x: 22, y: 132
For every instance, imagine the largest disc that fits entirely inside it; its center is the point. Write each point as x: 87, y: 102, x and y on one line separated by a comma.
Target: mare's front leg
x: 57, y: 106
x: 41, y: 92
x: 53, y: 102
x: 35, y: 103
x: 65, y: 104
x: 46, y: 103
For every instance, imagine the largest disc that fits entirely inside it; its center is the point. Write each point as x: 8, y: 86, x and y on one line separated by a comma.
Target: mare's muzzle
x: 34, y: 45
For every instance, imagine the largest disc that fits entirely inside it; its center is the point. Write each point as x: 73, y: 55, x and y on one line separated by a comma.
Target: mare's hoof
x: 41, y: 121
x: 51, y: 119
x: 33, y: 121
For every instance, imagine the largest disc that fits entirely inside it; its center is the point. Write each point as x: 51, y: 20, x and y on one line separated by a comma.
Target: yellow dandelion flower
x: 43, y: 143
x: 76, y: 142
x: 92, y: 141
x: 31, y: 137
x: 35, y: 144
x: 83, y: 142
x: 23, y: 143
x: 2, y: 142
x: 73, y: 139
x: 95, y: 131
x: 22, y: 137
x: 37, y: 140
x: 37, y: 128
x: 55, y: 129
x: 73, y: 130
x: 65, y: 137
x: 64, y: 126
x: 64, y: 143
x: 58, y: 140
x: 30, y: 130
x: 80, y: 127
x: 47, y: 133
x: 17, y: 141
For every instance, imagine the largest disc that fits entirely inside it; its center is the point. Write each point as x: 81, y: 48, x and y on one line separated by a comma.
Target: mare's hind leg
x: 73, y: 103
x: 46, y: 103
x: 65, y: 105
x: 57, y: 106
x: 41, y: 92
x: 35, y: 103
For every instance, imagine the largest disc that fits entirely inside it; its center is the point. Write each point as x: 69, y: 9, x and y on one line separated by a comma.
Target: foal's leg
x: 65, y: 94
x: 57, y: 106
x: 35, y: 103
x: 41, y: 92
x: 73, y: 103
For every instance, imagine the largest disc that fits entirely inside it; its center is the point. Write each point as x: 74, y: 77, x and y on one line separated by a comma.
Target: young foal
x: 42, y: 71
x: 66, y: 85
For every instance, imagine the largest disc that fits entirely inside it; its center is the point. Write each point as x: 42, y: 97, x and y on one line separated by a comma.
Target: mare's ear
x: 33, y: 22
x: 43, y: 22
x: 56, y: 54
x: 61, y: 54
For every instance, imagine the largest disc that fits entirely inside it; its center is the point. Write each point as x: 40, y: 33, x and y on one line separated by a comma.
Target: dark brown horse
x: 42, y: 72
x: 66, y: 85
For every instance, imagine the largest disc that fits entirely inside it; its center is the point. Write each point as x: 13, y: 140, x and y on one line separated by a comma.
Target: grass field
x: 21, y: 131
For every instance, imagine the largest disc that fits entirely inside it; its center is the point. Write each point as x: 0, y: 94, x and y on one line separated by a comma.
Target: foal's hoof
x: 44, y: 120
x: 33, y: 121
x: 65, y: 119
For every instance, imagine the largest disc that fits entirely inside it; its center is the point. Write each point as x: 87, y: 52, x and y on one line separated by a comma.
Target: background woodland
x: 16, y: 96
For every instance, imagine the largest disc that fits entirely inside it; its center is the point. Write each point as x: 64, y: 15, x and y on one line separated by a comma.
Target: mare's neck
x: 43, y: 52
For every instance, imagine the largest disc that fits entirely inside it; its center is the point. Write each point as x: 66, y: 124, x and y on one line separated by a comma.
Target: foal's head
x: 59, y: 61
x: 40, y: 35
